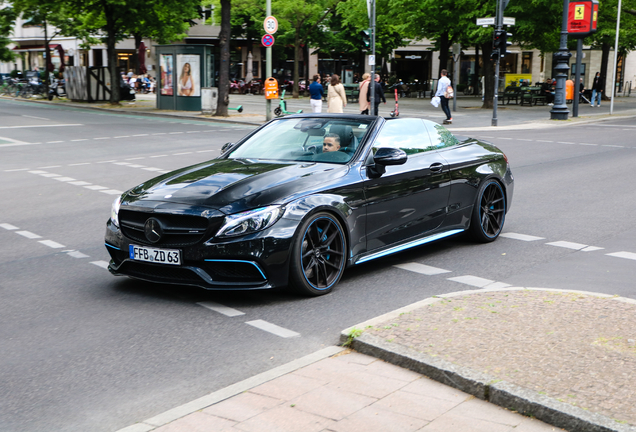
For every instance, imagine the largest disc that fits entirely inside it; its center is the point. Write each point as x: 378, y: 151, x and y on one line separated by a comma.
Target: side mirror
x: 389, y: 156
x: 226, y: 147
x: 383, y: 157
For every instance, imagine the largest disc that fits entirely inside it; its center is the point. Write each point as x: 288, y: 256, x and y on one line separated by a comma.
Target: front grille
x: 233, y: 271
x: 179, y: 230
x: 159, y: 273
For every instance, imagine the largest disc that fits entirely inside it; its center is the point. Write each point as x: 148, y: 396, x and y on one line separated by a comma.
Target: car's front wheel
x: 489, y: 212
x: 318, y: 255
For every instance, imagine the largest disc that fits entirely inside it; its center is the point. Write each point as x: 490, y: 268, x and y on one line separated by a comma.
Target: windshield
x: 331, y: 140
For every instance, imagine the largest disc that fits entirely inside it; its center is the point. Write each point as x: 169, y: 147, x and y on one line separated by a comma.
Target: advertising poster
x: 188, y: 67
x: 165, y: 64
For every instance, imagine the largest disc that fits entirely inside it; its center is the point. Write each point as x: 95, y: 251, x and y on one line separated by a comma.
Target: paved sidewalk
x: 567, y: 358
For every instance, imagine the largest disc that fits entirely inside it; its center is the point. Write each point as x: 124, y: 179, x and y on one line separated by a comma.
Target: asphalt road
x: 83, y: 350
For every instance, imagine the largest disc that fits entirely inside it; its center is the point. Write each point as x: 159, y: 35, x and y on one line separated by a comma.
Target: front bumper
x: 255, y: 261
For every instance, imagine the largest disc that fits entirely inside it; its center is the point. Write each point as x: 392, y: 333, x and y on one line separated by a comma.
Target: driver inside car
x: 331, y: 143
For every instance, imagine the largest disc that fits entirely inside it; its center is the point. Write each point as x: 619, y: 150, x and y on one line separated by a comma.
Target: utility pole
x: 268, y: 64
x: 497, y: 54
x: 372, y: 61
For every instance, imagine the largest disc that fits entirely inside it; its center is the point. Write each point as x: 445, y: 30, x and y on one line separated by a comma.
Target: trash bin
x: 209, y: 99
x: 569, y: 91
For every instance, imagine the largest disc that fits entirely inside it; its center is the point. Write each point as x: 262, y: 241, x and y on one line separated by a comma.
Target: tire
x: 278, y: 111
x: 489, y: 212
x: 318, y: 255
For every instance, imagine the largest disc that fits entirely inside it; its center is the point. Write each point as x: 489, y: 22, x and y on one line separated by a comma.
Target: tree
x: 224, y: 69
x: 7, y: 18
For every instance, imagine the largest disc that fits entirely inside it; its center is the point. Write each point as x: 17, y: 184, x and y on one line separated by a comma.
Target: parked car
x: 276, y: 210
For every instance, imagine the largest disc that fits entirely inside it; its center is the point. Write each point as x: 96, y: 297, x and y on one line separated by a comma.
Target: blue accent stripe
x: 409, y: 245
x: 112, y: 247
x: 240, y: 261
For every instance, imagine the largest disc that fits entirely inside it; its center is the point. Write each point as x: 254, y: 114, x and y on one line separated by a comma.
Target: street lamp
x: 560, y: 110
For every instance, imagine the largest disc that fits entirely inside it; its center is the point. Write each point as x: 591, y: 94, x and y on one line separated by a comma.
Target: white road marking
x: 102, y: 264
x: 205, y: 151
x: 544, y: 141
x: 102, y: 138
x: 216, y: 307
x: 52, y: 166
x: 28, y: 234
x: 523, y: 139
x: 505, y: 138
x: 80, y: 164
x: 565, y: 142
x: 50, y: 175
x: 112, y: 192
x: 77, y: 254
x: 568, y: 245
x: 421, y: 268
x: 193, y: 132
x: 64, y: 179
x: 175, y: 133
x: 591, y: 249
x: 109, y: 161
x: 522, y: 237
x: 8, y: 226
x: 37, y: 172
x: 181, y: 154
x: 79, y: 183
x: 160, y: 133
x: 123, y: 136
x: 121, y: 163
x: 95, y: 187
x: 16, y: 170
x: 78, y: 140
x: 273, y: 328
x: 136, y: 158
x: 141, y: 135
x: 152, y: 169
x: 610, y: 145
x: 39, y: 118
x: 497, y: 285
x: 586, y: 144
x: 472, y: 281
x: 51, y: 244
x: 53, y: 142
x: 137, y: 166
x: 34, y: 126
x: 158, y: 156
x: 626, y: 255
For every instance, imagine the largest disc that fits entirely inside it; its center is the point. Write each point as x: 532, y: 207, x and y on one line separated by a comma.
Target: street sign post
x: 486, y: 21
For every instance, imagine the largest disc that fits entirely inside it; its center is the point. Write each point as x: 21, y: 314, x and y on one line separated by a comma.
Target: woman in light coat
x: 336, y: 97
x: 362, y: 95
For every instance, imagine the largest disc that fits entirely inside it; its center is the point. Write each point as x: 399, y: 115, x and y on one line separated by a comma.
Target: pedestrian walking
x: 316, y: 93
x: 336, y: 96
x: 378, y: 94
x: 362, y: 94
x: 597, y: 89
x: 443, y: 85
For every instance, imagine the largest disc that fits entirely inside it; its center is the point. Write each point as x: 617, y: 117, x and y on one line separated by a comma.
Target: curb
x: 483, y: 386
x: 230, y: 391
x: 147, y: 113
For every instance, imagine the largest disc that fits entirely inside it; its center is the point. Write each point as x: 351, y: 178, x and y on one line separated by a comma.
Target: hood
x: 234, y: 185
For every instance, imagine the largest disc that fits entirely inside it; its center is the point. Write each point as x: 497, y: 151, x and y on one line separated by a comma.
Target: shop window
x: 526, y: 63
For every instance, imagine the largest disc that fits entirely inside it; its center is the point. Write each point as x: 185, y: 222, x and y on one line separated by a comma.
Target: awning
x: 34, y: 48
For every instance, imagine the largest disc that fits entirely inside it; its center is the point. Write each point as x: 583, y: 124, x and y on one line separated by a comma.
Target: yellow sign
x: 516, y: 78
x: 595, y: 15
x: 579, y: 12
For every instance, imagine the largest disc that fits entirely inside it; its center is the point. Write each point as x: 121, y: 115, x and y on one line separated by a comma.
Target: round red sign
x: 267, y: 40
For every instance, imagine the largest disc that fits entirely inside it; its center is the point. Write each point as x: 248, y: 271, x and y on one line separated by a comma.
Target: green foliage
x: 7, y: 17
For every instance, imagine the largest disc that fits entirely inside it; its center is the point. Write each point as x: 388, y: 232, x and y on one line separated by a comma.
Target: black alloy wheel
x: 489, y: 212
x: 318, y: 256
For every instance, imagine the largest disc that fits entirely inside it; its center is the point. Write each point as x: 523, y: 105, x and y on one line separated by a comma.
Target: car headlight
x: 250, y: 221
x: 114, y: 212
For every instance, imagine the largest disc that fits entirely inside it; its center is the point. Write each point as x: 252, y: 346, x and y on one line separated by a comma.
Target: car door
x: 407, y: 200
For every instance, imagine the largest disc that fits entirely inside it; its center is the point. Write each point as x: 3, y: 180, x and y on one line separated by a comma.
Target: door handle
x: 436, y: 167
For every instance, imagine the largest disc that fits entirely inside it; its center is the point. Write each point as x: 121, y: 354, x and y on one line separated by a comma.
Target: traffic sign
x: 486, y: 21
x: 509, y: 21
x: 270, y: 25
x: 267, y: 40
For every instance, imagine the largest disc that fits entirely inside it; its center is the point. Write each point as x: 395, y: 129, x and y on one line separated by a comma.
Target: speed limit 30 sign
x: 270, y: 25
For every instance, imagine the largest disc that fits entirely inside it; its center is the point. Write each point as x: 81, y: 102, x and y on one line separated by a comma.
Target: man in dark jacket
x: 597, y: 89
x: 378, y: 95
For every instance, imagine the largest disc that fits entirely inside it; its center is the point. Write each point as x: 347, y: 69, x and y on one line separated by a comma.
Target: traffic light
x: 366, y: 37
x: 500, y: 42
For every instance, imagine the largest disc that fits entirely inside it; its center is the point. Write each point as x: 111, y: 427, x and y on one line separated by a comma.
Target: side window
x: 407, y: 134
x: 440, y: 136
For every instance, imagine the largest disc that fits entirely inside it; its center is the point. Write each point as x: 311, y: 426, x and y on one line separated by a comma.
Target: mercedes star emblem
x: 153, y: 230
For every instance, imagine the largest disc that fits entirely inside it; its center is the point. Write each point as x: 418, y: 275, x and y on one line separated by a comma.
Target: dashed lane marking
x: 574, y: 246
x: 522, y: 237
x: 421, y: 268
x: 273, y: 328
x: 79, y: 183
x: 102, y: 264
x: 626, y: 255
x: 158, y: 156
x: 79, y: 140
x: 80, y: 164
x: 28, y: 234
x: 51, y: 244
x: 96, y: 187
x: 472, y: 281
x: 64, y: 179
x: 8, y: 227
x: 50, y: 175
x: 76, y: 254
x: 224, y: 310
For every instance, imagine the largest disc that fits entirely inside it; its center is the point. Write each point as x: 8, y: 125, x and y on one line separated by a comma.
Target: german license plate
x: 154, y: 255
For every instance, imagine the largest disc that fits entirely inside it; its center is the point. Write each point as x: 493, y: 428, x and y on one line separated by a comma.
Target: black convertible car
x: 303, y: 197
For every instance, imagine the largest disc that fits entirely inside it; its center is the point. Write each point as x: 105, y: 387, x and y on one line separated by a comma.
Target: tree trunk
x: 444, y: 45
x: 47, y: 50
x: 489, y: 75
x: 224, y: 70
x: 135, y: 56
x: 476, y: 80
x: 604, y: 65
x: 297, y: 47
x: 111, y: 41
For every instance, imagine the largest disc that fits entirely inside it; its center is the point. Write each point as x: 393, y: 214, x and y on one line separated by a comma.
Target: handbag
x: 449, y: 93
x: 435, y: 101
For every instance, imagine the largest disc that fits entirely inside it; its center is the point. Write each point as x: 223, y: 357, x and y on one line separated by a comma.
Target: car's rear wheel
x: 489, y: 212
x: 318, y: 255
